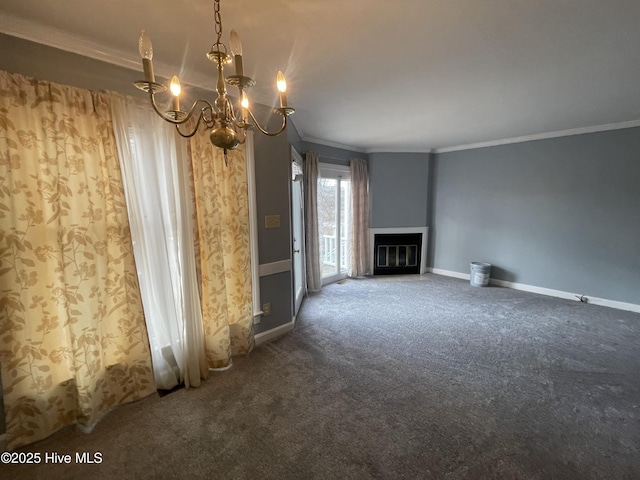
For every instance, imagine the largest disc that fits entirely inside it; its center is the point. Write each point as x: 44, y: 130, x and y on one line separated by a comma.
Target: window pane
x: 327, y: 225
x: 345, y: 225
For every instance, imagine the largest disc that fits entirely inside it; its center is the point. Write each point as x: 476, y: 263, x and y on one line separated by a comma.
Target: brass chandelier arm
x: 193, y: 132
x: 270, y: 134
x: 185, y: 117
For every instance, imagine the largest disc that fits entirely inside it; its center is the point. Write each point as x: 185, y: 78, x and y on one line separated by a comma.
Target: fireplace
x: 397, y: 253
x: 398, y: 250
x: 399, y: 260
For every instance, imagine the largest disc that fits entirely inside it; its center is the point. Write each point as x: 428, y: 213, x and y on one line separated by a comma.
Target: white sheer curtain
x: 155, y: 172
x: 360, y: 249
x: 312, y: 248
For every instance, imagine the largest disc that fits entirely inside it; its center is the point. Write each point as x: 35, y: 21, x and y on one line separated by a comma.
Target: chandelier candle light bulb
x: 281, y: 83
x: 236, y: 49
x: 245, y: 107
x: 175, y: 91
x: 145, y: 48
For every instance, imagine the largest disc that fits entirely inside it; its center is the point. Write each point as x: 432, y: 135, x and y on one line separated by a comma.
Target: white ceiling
x: 403, y: 75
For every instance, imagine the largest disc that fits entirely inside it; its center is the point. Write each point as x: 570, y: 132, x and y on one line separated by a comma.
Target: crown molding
x: 55, y: 38
x: 360, y: 149
x: 327, y: 143
x: 491, y: 143
x: 542, y: 136
x: 77, y: 45
x: 402, y: 150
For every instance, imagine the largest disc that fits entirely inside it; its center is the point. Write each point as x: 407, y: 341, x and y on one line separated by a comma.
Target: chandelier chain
x: 218, y: 19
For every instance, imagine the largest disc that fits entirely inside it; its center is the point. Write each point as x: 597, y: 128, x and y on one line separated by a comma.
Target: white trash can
x: 480, y: 273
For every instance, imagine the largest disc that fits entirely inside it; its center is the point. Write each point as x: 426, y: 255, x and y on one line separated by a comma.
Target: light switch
x: 272, y: 221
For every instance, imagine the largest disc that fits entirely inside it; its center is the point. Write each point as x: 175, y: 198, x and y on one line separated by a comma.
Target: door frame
x: 297, y: 244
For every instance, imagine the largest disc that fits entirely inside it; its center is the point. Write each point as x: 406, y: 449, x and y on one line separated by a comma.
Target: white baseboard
x: 264, y: 337
x: 630, y: 307
x: 449, y: 273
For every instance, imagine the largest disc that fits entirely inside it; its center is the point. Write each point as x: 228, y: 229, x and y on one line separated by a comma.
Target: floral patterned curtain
x: 222, y: 209
x: 360, y: 249
x: 73, y: 341
x: 311, y: 173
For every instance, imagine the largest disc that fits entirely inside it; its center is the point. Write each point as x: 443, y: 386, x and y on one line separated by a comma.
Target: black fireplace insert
x: 397, y: 253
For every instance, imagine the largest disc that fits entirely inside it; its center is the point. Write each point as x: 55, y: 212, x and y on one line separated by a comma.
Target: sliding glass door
x: 334, y: 220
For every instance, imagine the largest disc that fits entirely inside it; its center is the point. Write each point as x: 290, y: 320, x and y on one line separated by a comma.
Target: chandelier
x: 227, y: 128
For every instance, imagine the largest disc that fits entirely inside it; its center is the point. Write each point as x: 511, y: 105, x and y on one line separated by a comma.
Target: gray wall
x: 398, y: 189
x: 561, y: 213
x: 293, y: 136
x: 276, y: 289
x: 273, y: 176
x: 273, y: 190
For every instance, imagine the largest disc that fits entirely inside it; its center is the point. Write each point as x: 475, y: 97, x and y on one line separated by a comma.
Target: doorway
x: 334, y: 220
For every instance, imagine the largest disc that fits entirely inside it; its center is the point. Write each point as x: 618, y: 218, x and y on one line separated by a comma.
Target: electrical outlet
x: 266, y: 309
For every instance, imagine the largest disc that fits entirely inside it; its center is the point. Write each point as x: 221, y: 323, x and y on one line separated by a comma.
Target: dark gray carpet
x: 398, y: 377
